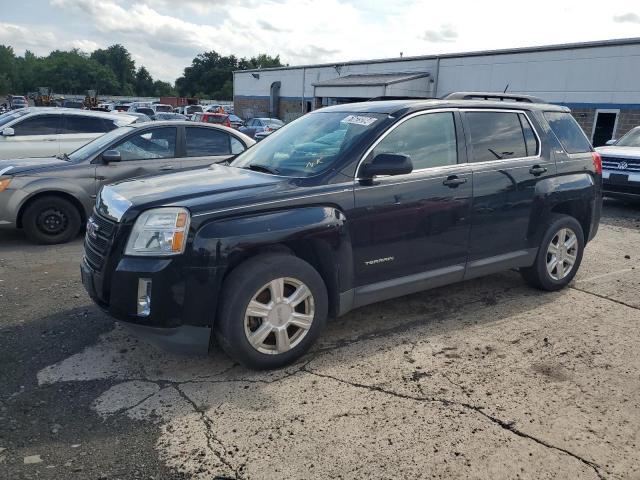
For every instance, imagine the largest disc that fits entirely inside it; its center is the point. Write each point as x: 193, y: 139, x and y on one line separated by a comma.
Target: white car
x: 49, y: 131
x: 621, y: 166
x: 162, y: 108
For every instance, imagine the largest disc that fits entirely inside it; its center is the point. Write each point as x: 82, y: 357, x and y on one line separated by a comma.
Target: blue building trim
x: 601, y: 106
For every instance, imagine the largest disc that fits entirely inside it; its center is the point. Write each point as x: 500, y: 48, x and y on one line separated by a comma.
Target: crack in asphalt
x: 211, y: 436
x: 603, y: 297
x: 508, y: 426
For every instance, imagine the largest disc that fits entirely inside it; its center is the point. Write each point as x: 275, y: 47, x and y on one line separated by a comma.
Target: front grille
x: 621, y: 164
x: 97, y: 241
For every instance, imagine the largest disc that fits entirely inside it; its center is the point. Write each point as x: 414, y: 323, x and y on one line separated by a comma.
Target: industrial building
x: 599, y: 81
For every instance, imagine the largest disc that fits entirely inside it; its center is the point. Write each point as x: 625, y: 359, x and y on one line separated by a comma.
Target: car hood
x: 621, y: 152
x: 202, y: 190
x: 29, y: 165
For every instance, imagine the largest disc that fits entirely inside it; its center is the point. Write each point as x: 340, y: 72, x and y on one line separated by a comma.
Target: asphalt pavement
x: 484, y: 379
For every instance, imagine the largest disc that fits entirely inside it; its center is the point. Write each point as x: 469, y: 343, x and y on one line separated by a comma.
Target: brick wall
x: 247, y: 108
x: 626, y: 121
x: 585, y: 118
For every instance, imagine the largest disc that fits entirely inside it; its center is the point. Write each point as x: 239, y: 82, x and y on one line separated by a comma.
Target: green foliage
x: 108, y: 71
x: 113, y: 71
x: 210, y: 74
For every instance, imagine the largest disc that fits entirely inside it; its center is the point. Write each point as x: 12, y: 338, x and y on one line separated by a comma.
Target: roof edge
x: 506, y: 51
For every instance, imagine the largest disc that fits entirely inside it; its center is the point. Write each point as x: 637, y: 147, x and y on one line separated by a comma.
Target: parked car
x: 17, y: 101
x: 148, y: 111
x: 236, y: 122
x: 51, y: 198
x: 346, y: 206
x: 72, y: 104
x: 219, y: 118
x: 168, y: 116
x: 45, y: 131
x: 161, y: 108
x: 189, y: 110
x: 263, y: 126
x: 621, y: 166
x: 122, y: 107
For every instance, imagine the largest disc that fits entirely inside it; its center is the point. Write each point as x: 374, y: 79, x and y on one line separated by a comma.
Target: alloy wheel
x: 279, y: 316
x: 562, y: 253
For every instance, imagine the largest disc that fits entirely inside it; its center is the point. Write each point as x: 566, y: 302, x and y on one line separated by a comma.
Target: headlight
x: 159, y: 232
x: 4, y: 183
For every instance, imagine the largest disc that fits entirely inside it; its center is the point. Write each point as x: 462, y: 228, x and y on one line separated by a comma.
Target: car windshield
x: 309, y: 145
x: 631, y: 139
x: 164, y: 108
x: 95, y: 146
x: 11, y: 115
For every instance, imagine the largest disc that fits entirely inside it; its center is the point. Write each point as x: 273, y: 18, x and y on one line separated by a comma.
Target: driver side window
x: 429, y: 139
x: 158, y: 143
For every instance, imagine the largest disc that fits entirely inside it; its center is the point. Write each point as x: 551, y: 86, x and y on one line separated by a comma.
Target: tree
x: 163, y: 89
x: 212, y: 74
x: 7, y: 69
x: 119, y: 60
x: 144, y: 83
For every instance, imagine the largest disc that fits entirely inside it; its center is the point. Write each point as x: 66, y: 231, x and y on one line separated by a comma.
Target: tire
x: 541, y: 274
x: 50, y: 220
x: 251, y: 280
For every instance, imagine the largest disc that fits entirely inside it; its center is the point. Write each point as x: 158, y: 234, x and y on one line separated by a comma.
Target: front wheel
x: 50, y: 220
x: 273, y: 308
x: 559, y: 255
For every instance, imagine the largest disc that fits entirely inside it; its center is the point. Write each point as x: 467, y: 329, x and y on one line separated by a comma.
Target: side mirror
x: 8, y: 132
x: 111, y: 156
x: 387, y: 164
x: 611, y: 142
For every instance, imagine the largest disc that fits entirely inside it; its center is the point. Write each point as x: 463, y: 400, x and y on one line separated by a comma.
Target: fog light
x: 144, y: 297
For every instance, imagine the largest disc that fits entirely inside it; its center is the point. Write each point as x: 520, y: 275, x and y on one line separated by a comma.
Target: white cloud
x: 165, y: 35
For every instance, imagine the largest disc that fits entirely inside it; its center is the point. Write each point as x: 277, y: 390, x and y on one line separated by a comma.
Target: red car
x: 208, y: 117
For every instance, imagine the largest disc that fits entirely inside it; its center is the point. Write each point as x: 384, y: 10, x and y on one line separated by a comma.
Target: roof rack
x: 502, y: 97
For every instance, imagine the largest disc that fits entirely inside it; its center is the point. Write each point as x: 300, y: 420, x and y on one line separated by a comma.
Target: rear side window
x: 82, y: 124
x: 40, y: 125
x: 202, y: 142
x: 568, y: 132
x: 499, y: 136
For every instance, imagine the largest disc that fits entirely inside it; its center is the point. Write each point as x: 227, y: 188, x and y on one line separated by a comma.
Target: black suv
x: 346, y: 206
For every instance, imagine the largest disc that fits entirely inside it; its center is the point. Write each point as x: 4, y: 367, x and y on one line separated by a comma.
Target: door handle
x: 453, y: 181
x: 166, y: 167
x: 537, y: 170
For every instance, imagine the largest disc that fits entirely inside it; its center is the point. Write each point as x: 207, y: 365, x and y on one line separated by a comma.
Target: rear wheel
x: 274, y: 307
x: 559, y: 255
x: 50, y: 220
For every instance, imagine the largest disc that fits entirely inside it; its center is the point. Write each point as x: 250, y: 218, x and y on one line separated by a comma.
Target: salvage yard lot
x: 484, y: 379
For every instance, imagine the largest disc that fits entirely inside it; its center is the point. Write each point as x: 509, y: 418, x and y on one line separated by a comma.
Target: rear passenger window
x: 82, y: 124
x: 568, y: 132
x: 202, y: 142
x: 430, y: 140
x: 498, y: 136
x: 39, y: 125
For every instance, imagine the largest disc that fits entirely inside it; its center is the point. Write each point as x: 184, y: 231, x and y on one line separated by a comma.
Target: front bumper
x: 10, y: 202
x: 182, y: 300
x: 621, y: 184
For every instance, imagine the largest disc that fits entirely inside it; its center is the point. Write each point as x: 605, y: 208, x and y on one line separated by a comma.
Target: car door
x: 411, y: 224
x: 78, y: 130
x: 507, y: 161
x: 149, y: 151
x: 34, y: 136
x: 204, y: 146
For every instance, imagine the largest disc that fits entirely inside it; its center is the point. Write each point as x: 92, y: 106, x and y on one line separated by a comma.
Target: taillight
x: 267, y: 128
x: 227, y: 123
x: 597, y: 162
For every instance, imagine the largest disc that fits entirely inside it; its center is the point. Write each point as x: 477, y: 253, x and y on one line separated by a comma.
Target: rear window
x: 568, y: 132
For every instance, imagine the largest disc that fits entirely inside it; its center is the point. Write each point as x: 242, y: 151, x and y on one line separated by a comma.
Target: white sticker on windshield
x: 359, y: 120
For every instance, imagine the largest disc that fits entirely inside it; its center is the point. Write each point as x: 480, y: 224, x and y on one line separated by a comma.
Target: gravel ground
x: 484, y: 379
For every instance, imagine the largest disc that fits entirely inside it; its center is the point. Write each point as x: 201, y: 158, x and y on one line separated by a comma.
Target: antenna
x: 505, y: 88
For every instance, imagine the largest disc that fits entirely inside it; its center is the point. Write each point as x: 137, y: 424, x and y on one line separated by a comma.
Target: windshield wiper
x: 258, y: 167
x: 63, y: 156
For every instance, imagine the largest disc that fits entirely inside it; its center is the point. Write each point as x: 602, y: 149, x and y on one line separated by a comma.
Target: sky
x: 165, y: 35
